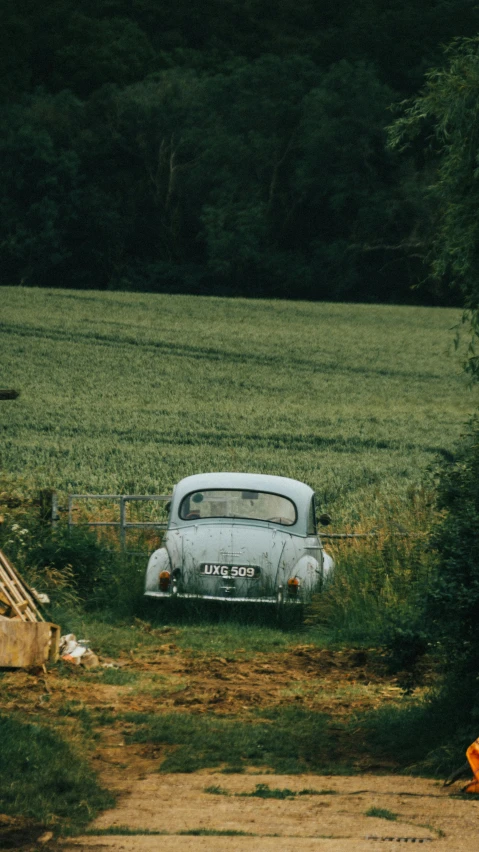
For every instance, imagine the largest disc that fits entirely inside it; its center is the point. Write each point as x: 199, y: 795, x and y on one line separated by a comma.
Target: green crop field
x: 126, y: 392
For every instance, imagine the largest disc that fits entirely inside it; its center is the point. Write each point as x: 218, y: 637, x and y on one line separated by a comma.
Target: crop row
x: 127, y: 393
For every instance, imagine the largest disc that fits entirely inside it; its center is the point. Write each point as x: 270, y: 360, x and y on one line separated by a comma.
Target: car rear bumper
x: 229, y: 598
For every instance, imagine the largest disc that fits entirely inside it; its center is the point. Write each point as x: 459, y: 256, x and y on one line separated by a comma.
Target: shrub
x: 453, y: 601
x: 72, y: 565
x: 377, y: 590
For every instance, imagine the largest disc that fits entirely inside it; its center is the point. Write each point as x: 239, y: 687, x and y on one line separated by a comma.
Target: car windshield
x: 252, y: 505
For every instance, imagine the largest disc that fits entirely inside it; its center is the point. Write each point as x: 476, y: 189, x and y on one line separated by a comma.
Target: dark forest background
x: 222, y: 146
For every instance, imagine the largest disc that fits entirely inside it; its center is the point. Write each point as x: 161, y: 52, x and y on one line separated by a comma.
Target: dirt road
x: 204, y: 811
x: 218, y: 810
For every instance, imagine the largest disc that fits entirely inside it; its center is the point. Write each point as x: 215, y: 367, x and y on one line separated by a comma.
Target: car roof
x: 298, y: 492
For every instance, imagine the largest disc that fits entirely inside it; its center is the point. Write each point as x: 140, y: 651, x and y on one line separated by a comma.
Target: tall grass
x: 380, y: 581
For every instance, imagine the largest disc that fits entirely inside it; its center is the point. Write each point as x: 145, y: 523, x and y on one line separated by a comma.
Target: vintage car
x: 242, y: 537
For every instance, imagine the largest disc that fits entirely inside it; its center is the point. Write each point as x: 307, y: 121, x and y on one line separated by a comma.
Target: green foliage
x: 264, y: 791
x: 223, y: 184
x: 113, y: 49
x: 453, y: 600
x: 45, y: 554
x: 427, y: 737
x: 73, y: 567
x: 419, y: 737
x: 115, y: 677
x: 443, y: 616
x: 78, y: 548
x: 234, y: 639
x: 345, y: 170
x: 214, y: 832
x: 225, y: 148
x: 230, y: 148
x: 41, y: 777
x: 122, y: 831
x: 41, y: 184
x: 287, y: 739
x: 216, y: 790
x: 405, y: 637
x: 444, y: 120
x: 377, y: 591
x: 121, y: 41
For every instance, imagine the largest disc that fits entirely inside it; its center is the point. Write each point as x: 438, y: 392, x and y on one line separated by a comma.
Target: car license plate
x: 216, y: 569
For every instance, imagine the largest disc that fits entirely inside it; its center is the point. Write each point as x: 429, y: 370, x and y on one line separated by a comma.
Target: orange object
x: 472, y: 755
x: 164, y: 580
x: 293, y: 585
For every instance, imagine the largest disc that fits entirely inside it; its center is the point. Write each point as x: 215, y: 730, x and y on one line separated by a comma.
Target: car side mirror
x: 325, y: 519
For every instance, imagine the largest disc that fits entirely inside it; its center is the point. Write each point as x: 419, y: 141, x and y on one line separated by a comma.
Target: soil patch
x: 168, y: 677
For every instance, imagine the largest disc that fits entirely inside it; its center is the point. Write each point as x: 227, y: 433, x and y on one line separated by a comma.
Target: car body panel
x: 239, y: 558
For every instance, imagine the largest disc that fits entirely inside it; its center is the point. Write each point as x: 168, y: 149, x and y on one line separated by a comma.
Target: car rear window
x: 252, y: 505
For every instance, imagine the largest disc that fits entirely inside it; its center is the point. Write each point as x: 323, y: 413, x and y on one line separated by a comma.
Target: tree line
x: 230, y: 147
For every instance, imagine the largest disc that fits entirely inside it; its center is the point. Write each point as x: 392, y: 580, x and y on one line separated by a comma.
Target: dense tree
x: 444, y: 121
x: 349, y: 187
x: 66, y: 44
x: 226, y: 147
x: 40, y: 178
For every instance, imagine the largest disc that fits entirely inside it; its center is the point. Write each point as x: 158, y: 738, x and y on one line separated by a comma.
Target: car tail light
x: 293, y: 585
x: 164, y: 581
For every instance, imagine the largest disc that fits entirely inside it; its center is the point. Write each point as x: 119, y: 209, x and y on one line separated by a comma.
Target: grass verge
x: 421, y: 737
x: 42, y: 778
x: 417, y: 738
x: 286, y: 740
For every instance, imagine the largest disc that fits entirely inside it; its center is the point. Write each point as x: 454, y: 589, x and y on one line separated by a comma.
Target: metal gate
x: 123, y: 524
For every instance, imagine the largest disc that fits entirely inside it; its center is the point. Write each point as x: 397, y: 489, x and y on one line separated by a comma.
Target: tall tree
x: 443, y: 123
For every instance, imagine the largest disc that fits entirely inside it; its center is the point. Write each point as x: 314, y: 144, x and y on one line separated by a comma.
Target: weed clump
x: 382, y: 813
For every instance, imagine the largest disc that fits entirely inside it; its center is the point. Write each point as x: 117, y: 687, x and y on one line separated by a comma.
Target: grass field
x: 126, y: 392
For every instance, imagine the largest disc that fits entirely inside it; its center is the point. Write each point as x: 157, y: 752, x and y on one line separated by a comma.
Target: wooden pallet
x: 15, y: 593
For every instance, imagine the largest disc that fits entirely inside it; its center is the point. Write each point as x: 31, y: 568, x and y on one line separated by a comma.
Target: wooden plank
x: 4, y: 603
x: 19, y: 588
x: 54, y: 648
x: 25, y: 644
x: 9, y: 589
x: 5, y: 588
